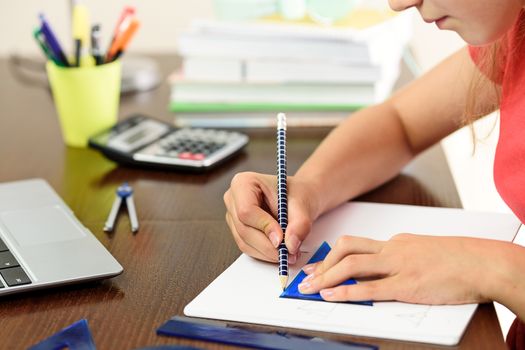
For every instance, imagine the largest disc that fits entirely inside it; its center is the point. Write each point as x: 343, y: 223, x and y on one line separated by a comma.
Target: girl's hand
x: 251, y: 204
x: 410, y: 268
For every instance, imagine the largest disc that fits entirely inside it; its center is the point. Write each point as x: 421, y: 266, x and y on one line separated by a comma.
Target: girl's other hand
x: 409, y: 268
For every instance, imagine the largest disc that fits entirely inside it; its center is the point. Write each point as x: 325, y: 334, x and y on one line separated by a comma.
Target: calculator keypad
x: 186, y: 148
x: 191, y: 144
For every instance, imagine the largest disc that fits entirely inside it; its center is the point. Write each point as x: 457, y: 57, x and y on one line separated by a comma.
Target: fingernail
x: 274, y: 238
x: 308, y: 269
x: 293, y: 244
x: 308, y: 278
x: 292, y: 259
x: 303, y: 287
x: 327, y: 293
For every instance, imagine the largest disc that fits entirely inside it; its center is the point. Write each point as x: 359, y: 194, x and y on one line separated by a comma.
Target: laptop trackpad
x: 41, y: 226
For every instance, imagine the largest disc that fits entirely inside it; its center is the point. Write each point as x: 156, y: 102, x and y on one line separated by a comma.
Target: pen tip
x: 284, y: 281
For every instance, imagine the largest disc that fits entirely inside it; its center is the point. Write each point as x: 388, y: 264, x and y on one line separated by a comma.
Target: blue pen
x: 37, y: 34
x: 52, y: 41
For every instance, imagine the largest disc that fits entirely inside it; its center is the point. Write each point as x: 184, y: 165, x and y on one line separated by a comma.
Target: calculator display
x: 137, y: 136
x: 143, y: 141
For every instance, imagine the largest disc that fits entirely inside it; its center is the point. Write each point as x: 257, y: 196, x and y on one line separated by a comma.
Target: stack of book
x: 236, y: 74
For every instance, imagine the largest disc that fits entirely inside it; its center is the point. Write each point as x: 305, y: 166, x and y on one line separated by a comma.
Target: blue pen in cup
x: 37, y: 34
x: 52, y: 42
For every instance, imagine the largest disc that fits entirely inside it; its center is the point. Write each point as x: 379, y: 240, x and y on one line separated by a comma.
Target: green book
x: 195, y: 107
x: 193, y: 96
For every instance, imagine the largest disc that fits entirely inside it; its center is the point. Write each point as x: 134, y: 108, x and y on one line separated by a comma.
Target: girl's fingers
x: 252, y: 236
x: 347, y: 245
x: 298, y: 228
x: 244, y: 246
x: 351, y: 266
x: 381, y: 289
x: 247, y: 201
x: 254, y: 216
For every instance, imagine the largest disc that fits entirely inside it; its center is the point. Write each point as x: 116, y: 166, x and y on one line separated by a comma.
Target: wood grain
x: 183, y: 243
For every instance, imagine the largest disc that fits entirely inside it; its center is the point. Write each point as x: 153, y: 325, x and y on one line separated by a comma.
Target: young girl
x: 373, y: 145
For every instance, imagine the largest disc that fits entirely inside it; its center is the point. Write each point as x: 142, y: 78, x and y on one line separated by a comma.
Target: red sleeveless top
x: 509, y: 162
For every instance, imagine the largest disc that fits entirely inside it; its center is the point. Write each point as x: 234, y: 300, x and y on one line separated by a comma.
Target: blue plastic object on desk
x: 170, y: 347
x: 292, y: 291
x: 219, y: 332
x: 75, y: 337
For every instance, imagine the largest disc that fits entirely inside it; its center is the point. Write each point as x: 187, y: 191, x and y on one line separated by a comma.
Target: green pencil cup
x: 86, y: 99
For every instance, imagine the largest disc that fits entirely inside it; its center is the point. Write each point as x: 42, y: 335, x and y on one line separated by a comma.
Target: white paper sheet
x: 248, y: 291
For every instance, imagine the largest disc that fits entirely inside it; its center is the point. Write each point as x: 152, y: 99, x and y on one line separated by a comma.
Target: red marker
x: 122, y: 23
x: 122, y: 41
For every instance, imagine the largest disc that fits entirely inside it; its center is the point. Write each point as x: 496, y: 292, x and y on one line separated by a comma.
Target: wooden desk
x: 183, y: 243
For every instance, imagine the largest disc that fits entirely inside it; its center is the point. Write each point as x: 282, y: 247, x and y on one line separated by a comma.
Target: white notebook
x: 248, y: 291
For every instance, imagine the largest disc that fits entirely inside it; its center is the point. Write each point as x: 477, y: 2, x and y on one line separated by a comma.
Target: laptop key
x: 7, y: 260
x: 15, y: 276
x: 3, y: 247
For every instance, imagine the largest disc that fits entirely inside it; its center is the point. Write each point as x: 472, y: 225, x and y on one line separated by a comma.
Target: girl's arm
x: 371, y: 146
x: 366, y: 150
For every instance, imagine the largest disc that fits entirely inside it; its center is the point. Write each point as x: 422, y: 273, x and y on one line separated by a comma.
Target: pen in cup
x: 52, y: 42
x: 80, y: 30
x: 37, y: 34
x: 121, y: 26
x: 123, y: 40
x: 96, y: 52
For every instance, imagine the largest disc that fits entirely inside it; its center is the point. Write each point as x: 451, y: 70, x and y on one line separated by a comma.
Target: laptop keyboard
x: 10, y: 269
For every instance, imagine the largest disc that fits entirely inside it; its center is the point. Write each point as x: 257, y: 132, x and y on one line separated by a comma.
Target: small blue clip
x: 75, y: 337
x: 124, y: 192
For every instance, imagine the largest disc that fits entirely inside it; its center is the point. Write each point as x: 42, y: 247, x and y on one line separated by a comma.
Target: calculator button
x: 215, y: 147
x: 199, y: 156
x: 186, y: 155
x: 3, y: 247
x: 15, y: 276
x: 7, y: 260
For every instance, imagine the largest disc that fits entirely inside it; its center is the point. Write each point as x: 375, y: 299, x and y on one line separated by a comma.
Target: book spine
x: 222, y: 122
x: 194, y: 44
x: 206, y: 69
x: 212, y: 69
x: 306, y: 72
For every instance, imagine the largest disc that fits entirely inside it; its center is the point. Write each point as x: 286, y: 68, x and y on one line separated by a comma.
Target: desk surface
x: 183, y: 243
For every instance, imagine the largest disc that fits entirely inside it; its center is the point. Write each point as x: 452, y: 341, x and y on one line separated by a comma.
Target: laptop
x: 42, y: 243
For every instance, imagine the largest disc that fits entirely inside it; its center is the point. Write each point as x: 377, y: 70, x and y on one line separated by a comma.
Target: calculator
x: 144, y: 141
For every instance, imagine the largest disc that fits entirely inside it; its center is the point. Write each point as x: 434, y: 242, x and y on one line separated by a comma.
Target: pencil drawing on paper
x: 318, y: 309
x: 414, y: 318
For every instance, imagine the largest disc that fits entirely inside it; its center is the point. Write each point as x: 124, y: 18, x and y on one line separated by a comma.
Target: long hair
x: 491, y: 61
